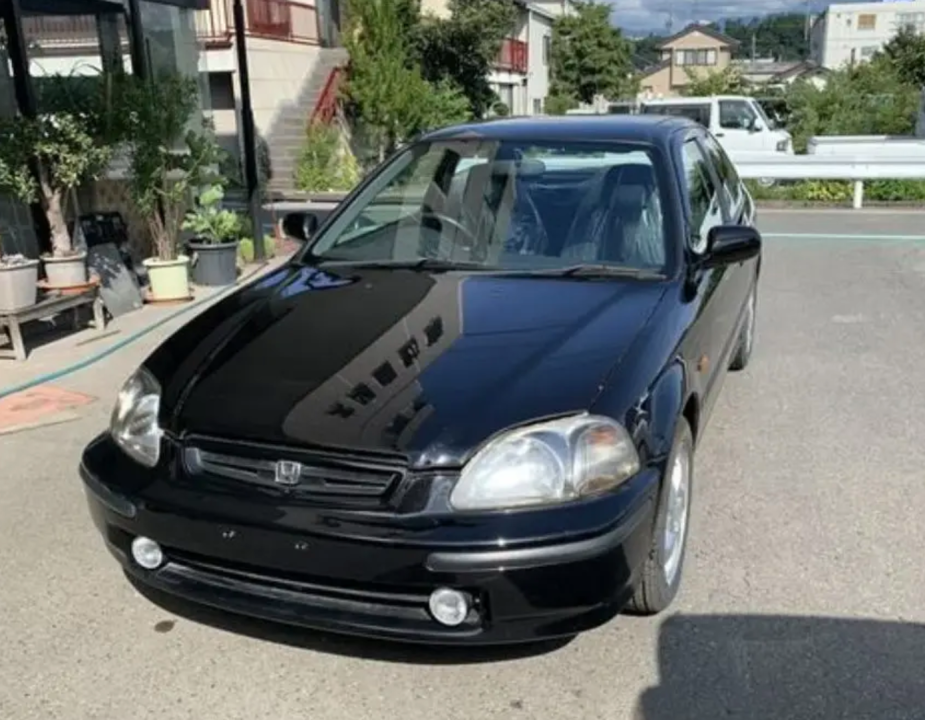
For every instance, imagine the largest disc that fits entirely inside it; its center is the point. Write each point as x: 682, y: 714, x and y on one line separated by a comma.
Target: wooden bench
x: 51, y: 304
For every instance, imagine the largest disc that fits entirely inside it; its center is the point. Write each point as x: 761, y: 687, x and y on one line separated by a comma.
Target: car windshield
x: 511, y: 205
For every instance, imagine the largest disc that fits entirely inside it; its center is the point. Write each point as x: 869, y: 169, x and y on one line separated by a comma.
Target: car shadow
x: 337, y: 644
x: 757, y: 667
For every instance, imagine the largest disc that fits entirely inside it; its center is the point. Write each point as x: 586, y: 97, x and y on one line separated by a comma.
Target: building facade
x: 851, y: 33
x: 520, y: 74
x: 694, y: 51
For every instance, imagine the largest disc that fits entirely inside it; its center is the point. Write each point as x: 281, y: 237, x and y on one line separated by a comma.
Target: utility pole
x: 753, y: 47
x: 248, y: 135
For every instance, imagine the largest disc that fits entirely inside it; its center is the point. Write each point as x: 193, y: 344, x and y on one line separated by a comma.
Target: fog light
x: 449, y: 607
x: 147, y: 553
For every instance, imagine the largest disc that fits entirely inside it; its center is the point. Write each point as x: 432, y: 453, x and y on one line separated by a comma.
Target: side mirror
x: 299, y: 225
x: 757, y: 125
x: 730, y: 244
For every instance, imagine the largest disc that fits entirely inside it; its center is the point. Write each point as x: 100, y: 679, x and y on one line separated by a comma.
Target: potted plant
x: 65, y: 153
x: 168, y: 156
x: 216, y: 232
x: 18, y: 282
x: 46, y: 158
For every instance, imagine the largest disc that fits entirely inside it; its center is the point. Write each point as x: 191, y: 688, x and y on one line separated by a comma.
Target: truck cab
x: 737, y: 121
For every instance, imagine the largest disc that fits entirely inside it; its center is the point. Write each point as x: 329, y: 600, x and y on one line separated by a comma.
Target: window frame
x: 728, y: 101
x: 700, y: 247
x: 735, y: 206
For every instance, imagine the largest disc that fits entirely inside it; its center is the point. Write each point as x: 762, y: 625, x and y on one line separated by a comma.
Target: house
x: 520, y: 73
x: 696, y: 50
x: 845, y: 34
x: 771, y: 73
x: 293, y: 51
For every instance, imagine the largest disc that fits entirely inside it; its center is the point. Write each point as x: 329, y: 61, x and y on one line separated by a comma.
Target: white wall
x: 538, y: 27
x: 838, y: 40
x: 278, y: 73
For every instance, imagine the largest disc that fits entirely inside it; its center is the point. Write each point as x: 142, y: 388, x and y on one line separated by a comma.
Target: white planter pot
x: 66, y: 272
x: 18, y: 286
x: 169, y: 278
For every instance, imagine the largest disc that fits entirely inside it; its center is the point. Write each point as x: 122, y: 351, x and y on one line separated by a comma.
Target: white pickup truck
x: 737, y: 121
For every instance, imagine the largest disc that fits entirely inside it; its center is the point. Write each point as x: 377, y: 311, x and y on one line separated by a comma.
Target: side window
x: 735, y: 115
x: 727, y: 173
x: 706, y: 209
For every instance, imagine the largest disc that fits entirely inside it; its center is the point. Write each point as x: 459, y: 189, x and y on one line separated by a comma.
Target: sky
x: 642, y: 16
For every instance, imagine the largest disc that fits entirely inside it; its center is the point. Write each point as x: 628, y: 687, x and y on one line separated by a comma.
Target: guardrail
x: 843, y: 145
x: 779, y: 166
x: 856, y: 168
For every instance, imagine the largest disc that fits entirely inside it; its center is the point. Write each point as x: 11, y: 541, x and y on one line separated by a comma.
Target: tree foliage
x: 728, y: 81
x: 781, y: 36
x: 867, y: 99
x: 390, y: 100
x: 461, y: 48
x: 906, y: 51
x: 589, y: 57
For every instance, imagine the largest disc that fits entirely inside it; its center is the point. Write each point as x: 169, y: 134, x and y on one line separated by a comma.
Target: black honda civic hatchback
x: 466, y: 410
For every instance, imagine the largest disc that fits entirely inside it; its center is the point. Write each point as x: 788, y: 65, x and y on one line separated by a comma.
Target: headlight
x: 134, y: 419
x: 550, y: 462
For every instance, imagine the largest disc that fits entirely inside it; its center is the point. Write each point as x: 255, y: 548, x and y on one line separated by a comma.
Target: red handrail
x: 325, y: 109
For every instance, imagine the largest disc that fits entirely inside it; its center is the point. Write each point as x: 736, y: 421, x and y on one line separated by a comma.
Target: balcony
x: 512, y: 57
x: 283, y: 20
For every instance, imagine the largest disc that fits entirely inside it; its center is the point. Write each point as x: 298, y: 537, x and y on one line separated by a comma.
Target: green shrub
x: 325, y: 164
x: 840, y: 191
x: 246, y: 248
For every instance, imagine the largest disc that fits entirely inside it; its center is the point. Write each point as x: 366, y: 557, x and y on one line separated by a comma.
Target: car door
x: 741, y: 276
x: 735, y: 131
x: 706, y: 208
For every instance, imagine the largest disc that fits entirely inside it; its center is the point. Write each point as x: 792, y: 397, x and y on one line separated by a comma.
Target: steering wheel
x: 428, y: 216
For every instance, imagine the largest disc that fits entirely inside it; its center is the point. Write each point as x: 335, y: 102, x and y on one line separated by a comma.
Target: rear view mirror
x: 730, y: 244
x: 299, y: 225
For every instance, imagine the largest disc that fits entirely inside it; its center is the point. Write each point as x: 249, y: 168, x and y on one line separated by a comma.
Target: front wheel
x: 661, y: 573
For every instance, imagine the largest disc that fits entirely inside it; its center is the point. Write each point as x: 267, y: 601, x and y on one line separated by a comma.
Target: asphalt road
x: 803, y: 593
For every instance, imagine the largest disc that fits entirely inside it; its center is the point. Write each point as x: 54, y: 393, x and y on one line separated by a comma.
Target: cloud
x: 642, y: 16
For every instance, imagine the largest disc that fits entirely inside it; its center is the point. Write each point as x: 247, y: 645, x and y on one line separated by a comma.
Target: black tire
x: 654, y: 592
x: 746, y: 342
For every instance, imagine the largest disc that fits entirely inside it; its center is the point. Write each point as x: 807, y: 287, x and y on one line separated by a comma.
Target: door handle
x: 720, y: 135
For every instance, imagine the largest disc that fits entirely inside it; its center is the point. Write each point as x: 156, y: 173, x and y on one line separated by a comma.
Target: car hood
x: 424, y: 365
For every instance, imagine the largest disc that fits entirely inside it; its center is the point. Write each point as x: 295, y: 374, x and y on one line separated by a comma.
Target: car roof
x: 650, y: 129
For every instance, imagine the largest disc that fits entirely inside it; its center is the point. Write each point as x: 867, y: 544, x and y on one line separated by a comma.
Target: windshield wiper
x: 600, y: 270
x: 415, y: 264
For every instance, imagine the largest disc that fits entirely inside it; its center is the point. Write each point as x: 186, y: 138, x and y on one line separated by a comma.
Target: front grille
x: 307, y: 476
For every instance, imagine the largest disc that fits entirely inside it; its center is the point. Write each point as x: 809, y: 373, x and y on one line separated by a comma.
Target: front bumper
x: 521, y: 590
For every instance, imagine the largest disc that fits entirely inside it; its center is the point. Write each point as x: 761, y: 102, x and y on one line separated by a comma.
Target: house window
x: 537, y: 106
x: 913, y: 21
x: 867, y: 21
x: 695, y: 57
x: 868, y: 51
x: 547, y: 49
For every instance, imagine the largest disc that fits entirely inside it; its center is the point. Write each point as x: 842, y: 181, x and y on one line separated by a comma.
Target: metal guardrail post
x: 858, y: 194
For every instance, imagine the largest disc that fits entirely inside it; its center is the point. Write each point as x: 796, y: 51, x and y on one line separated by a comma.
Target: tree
x: 781, y: 36
x: 389, y: 98
x: 462, y: 48
x: 906, y: 51
x: 728, y: 81
x: 868, y: 99
x: 590, y: 57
